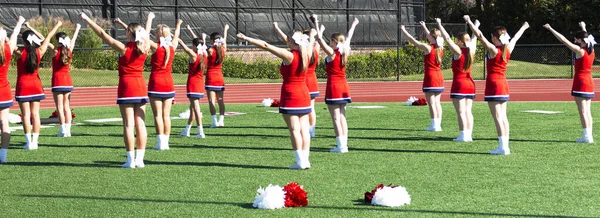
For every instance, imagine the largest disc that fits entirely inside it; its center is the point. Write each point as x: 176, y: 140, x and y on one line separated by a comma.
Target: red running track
x: 520, y: 90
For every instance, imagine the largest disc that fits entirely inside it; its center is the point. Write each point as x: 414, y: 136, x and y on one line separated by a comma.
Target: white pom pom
x: 185, y: 114
x: 391, y: 197
x: 271, y: 197
x: 410, y: 100
x: 267, y: 102
x: 13, y: 118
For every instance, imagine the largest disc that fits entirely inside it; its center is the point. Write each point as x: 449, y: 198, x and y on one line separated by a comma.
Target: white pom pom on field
x: 271, y: 197
x: 391, y: 197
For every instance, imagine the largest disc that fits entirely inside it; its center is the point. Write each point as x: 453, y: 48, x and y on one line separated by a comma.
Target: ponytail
x: 220, y: 50
x: 304, y: 59
x: 202, y: 65
x: 140, y: 46
x: 438, y: 55
x: 344, y: 59
x: 505, y: 52
x: 2, y: 55
x: 65, y: 57
x: 160, y: 30
x: 468, y: 60
x: 32, y: 63
x: 582, y: 35
x: 218, y: 41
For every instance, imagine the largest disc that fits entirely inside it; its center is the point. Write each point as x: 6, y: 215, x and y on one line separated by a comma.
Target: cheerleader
x: 433, y: 82
x: 463, y: 86
x: 132, y: 93
x: 295, y: 99
x: 337, y: 94
x: 7, y: 47
x: 62, y: 85
x: 215, y: 83
x: 496, y: 86
x: 29, y: 91
x: 311, y: 76
x: 161, y: 87
x: 195, y: 90
x: 583, y: 83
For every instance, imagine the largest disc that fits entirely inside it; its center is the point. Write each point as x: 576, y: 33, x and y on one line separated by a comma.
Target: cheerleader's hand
x: 526, y: 25
x: 477, y: 23
x: 241, y: 36
x: 117, y: 20
x: 422, y: 23
x: 59, y: 23
x: 402, y: 27
x: 151, y: 15
x: 438, y: 20
x: 84, y: 16
x: 21, y: 20
x: 355, y: 22
x: 226, y: 26
x: 275, y: 25
x: 467, y: 18
x: 203, y: 36
x: 582, y: 24
x: 547, y: 26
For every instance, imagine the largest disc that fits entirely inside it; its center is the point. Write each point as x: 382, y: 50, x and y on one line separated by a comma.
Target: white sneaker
x: 468, y: 139
x: 306, y: 165
x: 220, y: 124
x: 296, y: 166
x: 27, y: 146
x: 2, y: 159
x: 60, y: 134
x: 339, y: 150
x: 129, y: 165
x: 433, y: 129
x: 139, y: 164
x: 68, y: 134
x: 161, y: 148
x: 459, y: 139
x: 311, y: 132
x: 500, y: 151
x: 585, y: 140
x: 200, y: 135
x: 184, y: 133
x: 34, y: 146
x: 214, y: 125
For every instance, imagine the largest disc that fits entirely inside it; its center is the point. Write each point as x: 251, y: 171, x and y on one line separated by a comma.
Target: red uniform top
x: 433, y: 80
x: 214, y: 74
x: 311, y: 75
x: 495, y: 83
x: 338, y: 91
x: 60, y: 71
x: 161, y: 82
x: 195, y: 82
x: 5, y: 93
x: 29, y: 86
x: 583, y: 81
x: 462, y: 81
x: 131, y: 79
x: 294, y: 92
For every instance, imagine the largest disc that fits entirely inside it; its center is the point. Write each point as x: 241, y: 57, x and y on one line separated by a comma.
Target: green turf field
x: 548, y: 175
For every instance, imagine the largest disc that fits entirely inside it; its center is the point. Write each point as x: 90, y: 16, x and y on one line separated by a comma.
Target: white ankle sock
x: 139, y: 154
x: 28, y: 138
x: 34, y: 138
x: 503, y: 140
x: 159, y: 140
x: 130, y: 156
x: 437, y: 123
x: 68, y: 127
x: 587, y: 132
x: 338, y: 140
x: 433, y: 121
x: 200, y: 129
x: 462, y: 134
x: 214, y: 119
x: 166, y: 140
x: 298, y: 155
x: 221, y: 117
x: 62, y: 128
x: 306, y: 155
x: 188, y: 128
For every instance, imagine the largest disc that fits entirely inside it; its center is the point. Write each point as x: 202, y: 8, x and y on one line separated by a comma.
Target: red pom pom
x: 369, y: 195
x: 420, y: 102
x: 275, y: 103
x: 295, y: 196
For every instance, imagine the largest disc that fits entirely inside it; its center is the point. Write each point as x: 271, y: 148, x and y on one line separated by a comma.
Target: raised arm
x: 517, y: 36
x: 225, y: 30
x: 457, y: 51
x: 38, y: 34
x: 311, y: 42
x: 582, y: 25
x: 149, y: 22
x: 114, y: 44
x: 191, y: 31
x: 282, y: 35
x: 575, y: 48
x: 120, y: 22
x: 320, y: 29
x: 177, y: 34
x: 351, y: 31
x: 412, y: 40
x: 72, y: 46
x: 424, y: 26
x: 46, y: 42
x: 12, y: 42
x: 473, y: 44
x: 491, y: 48
x: 284, y: 54
x: 188, y: 50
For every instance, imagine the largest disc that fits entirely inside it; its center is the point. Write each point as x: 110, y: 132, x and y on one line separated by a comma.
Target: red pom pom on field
x: 295, y: 196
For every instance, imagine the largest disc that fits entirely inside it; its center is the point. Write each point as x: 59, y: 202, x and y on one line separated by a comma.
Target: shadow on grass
x: 330, y: 128
x: 288, y: 148
x: 82, y: 146
x: 61, y: 164
x: 360, y: 206
x: 199, y: 164
x: 525, y: 140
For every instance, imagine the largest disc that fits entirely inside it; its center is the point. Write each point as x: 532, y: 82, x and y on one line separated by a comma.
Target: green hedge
x: 374, y: 65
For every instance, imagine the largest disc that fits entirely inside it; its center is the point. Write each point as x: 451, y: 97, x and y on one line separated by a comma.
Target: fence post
x: 40, y: 6
x: 176, y: 10
x: 398, y: 39
x: 114, y: 16
x: 347, y: 15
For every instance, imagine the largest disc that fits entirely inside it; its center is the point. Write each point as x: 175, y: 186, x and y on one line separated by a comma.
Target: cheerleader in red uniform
x: 311, y: 76
x: 7, y: 47
x: 433, y: 82
x: 29, y: 91
x: 583, y: 82
x: 215, y: 83
x: 337, y: 94
x: 463, y: 86
x: 161, y: 88
x: 195, y: 83
x: 132, y: 93
x: 62, y: 85
x: 496, y: 86
x: 295, y: 99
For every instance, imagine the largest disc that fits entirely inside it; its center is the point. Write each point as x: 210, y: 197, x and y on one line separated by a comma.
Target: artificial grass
x: 547, y: 174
